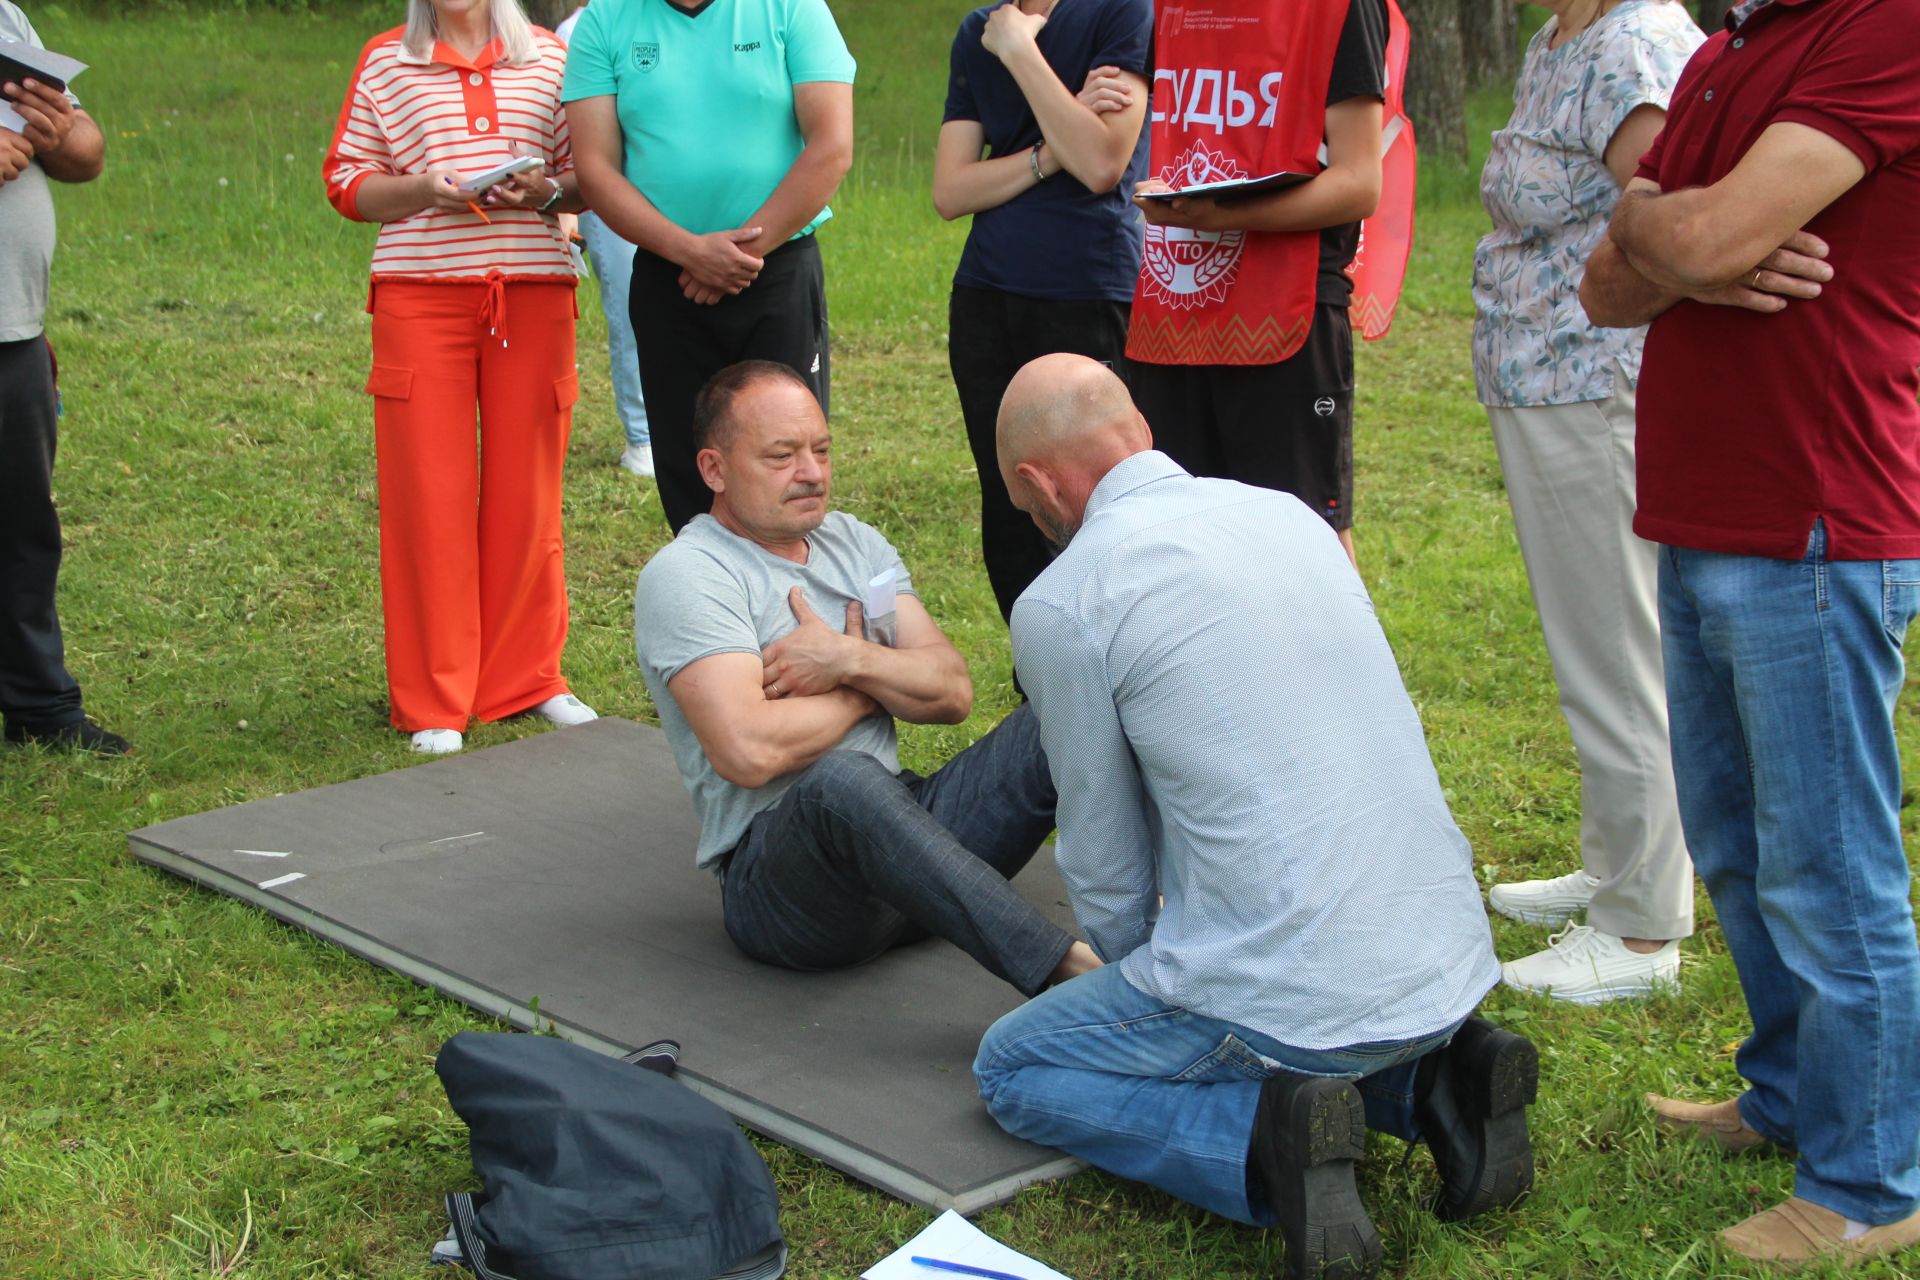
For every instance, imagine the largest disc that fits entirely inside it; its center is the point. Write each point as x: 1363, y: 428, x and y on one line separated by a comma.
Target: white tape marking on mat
x: 470, y: 835
x: 264, y: 853
x: 277, y: 881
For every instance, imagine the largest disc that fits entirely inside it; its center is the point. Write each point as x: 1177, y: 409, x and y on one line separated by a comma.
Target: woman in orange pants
x: 473, y: 314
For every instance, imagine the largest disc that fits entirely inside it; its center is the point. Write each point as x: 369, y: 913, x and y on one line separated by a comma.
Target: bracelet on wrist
x: 1033, y: 160
x: 553, y: 199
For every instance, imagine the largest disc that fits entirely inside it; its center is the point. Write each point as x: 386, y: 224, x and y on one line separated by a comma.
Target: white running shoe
x: 1584, y: 966
x: 638, y: 458
x: 438, y: 742
x: 564, y: 708
x: 1552, y: 902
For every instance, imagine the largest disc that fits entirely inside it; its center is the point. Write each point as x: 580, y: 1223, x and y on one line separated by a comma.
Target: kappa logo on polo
x: 748, y: 47
x: 646, y: 54
x: 1187, y: 269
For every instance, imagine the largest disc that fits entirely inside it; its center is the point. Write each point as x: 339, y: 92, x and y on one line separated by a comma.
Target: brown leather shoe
x: 1799, y: 1233
x: 1718, y: 1121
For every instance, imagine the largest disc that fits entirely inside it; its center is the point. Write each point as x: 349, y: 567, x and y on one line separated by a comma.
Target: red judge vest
x: 1239, y: 90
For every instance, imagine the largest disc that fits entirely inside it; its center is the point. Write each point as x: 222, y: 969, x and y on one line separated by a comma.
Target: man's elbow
x: 742, y: 760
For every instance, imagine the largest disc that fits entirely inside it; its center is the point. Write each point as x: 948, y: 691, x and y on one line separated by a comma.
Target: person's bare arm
x: 1706, y: 238
x: 1617, y: 294
x: 965, y: 182
x: 715, y: 259
x: 1093, y: 146
x: 921, y: 678
x: 750, y: 739
x: 1632, y: 140
x: 1347, y: 190
x: 384, y: 197
x: 824, y: 110
x: 65, y: 140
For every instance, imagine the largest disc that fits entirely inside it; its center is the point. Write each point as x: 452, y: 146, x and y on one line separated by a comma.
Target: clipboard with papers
x: 21, y: 61
x: 1226, y: 190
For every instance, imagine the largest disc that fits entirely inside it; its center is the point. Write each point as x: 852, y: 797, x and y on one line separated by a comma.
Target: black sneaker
x: 81, y: 735
x: 1307, y: 1134
x: 1470, y: 1101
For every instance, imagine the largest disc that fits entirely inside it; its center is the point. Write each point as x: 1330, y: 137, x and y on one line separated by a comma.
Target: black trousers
x: 990, y: 335
x: 1286, y: 426
x: 781, y: 316
x: 35, y: 689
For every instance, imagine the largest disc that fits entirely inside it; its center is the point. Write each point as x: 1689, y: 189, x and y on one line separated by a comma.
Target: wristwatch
x: 1033, y: 159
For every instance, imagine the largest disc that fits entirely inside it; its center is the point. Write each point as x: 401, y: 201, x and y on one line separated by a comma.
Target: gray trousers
x: 1569, y: 475
x: 36, y: 692
x: 854, y: 860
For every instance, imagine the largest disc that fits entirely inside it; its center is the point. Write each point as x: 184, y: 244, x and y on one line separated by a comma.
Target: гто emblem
x: 1187, y: 269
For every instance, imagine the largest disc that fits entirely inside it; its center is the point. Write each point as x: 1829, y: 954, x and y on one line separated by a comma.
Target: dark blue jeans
x: 1781, y: 680
x: 854, y: 860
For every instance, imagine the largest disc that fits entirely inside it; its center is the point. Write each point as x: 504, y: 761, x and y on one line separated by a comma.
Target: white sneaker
x: 1552, y: 902
x: 1584, y: 966
x: 438, y: 742
x: 564, y: 708
x: 638, y: 458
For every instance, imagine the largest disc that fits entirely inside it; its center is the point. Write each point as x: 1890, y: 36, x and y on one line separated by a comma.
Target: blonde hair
x: 510, y: 28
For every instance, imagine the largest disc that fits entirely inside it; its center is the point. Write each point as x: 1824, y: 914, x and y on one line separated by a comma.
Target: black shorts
x: 1286, y: 426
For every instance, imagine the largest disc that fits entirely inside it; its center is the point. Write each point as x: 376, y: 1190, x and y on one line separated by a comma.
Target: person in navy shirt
x: 1051, y: 257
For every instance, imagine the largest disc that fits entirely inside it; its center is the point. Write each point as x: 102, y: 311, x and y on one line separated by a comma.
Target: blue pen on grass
x: 964, y: 1269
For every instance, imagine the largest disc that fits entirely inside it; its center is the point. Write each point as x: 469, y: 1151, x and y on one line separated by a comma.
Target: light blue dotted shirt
x: 1226, y: 726
x: 1548, y: 190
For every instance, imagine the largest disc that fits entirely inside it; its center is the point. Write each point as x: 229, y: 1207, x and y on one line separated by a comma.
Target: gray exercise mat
x: 560, y: 867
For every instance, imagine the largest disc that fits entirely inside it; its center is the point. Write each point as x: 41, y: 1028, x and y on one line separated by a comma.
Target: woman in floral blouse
x: 1592, y: 95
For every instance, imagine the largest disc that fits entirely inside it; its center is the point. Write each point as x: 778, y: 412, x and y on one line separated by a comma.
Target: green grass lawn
x: 177, y: 1070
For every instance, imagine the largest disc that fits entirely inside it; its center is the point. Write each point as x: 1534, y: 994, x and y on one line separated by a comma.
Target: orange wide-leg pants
x: 472, y: 571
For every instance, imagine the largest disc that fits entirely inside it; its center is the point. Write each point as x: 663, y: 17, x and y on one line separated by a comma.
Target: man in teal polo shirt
x: 711, y: 135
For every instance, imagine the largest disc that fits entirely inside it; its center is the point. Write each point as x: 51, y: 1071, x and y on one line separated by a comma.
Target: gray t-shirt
x: 26, y: 223
x: 711, y: 591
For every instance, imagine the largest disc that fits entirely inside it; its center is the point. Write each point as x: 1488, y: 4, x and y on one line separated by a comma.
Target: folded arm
x: 921, y: 678
x: 751, y: 740
x: 1704, y: 238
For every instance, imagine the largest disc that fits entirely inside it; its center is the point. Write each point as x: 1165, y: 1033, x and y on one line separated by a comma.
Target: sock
x: 1855, y: 1229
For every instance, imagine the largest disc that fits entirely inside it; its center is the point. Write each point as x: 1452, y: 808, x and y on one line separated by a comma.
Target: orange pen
x: 481, y: 212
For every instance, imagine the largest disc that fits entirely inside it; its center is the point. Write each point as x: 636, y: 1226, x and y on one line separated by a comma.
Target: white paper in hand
x: 951, y: 1238
x: 880, y: 609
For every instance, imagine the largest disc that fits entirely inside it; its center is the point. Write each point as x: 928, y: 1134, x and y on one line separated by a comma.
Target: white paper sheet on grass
x: 951, y: 1238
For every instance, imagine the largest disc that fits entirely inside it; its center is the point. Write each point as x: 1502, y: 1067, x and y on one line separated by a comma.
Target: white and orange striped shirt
x: 404, y: 113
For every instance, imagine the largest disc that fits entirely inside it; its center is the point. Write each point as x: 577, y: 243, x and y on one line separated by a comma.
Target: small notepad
x: 952, y: 1238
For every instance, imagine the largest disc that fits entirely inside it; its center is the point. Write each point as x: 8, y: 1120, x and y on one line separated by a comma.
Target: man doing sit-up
x: 778, y: 693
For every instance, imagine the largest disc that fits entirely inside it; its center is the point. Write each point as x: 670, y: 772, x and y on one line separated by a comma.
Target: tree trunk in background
x: 1437, y: 76
x: 1713, y: 14
x: 1490, y: 41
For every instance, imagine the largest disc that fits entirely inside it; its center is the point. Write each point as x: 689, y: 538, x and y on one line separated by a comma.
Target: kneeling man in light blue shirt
x: 1256, y: 843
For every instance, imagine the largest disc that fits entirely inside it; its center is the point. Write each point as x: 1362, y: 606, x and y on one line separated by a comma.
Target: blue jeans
x: 1781, y: 681
x: 1166, y: 1096
x: 853, y: 860
x: 612, y: 260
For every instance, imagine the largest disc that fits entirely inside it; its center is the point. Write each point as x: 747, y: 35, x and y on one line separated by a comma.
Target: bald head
x: 1064, y: 423
x: 1065, y: 407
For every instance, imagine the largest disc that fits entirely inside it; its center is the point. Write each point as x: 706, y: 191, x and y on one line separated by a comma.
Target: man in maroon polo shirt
x: 1773, y: 239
